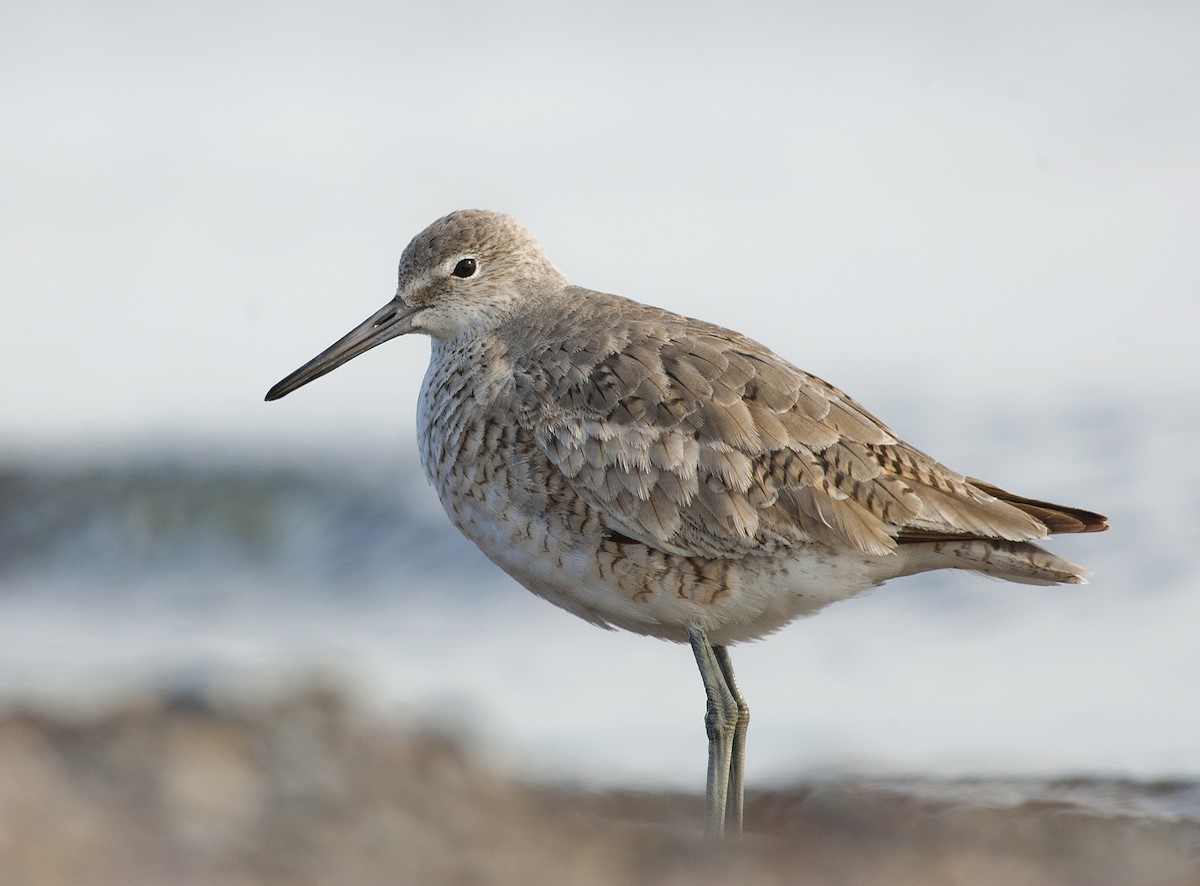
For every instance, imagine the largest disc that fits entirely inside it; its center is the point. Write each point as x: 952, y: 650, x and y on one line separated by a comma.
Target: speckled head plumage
x: 485, y: 235
x: 469, y: 268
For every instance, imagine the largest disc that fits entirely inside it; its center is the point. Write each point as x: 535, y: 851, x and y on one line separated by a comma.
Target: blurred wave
x: 126, y: 575
x: 339, y: 524
x: 318, y: 527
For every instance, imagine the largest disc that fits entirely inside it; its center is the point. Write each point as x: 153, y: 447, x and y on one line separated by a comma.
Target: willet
x: 660, y: 474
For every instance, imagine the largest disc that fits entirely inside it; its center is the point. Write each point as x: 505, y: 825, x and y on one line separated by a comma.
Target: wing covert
x: 700, y: 442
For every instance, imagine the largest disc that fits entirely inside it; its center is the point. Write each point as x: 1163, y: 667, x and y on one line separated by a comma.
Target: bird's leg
x: 720, y: 721
x: 737, y: 762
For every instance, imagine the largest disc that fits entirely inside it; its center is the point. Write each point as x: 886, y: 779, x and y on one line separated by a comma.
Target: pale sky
x: 923, y: 202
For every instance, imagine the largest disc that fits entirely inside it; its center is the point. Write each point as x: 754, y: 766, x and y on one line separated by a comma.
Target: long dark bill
x: 393, y: 319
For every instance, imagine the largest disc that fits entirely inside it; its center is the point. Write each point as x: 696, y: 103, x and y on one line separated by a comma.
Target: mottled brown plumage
x: 653, y: 472
x: 696, y: 440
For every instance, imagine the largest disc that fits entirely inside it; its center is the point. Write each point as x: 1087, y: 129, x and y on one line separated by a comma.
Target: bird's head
x: 463, y: 274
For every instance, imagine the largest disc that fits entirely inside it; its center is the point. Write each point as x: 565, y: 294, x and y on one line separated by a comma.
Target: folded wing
x: 698, y: 441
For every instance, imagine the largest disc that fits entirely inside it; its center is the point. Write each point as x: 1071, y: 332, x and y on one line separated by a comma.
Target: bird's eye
x: 465, y: 268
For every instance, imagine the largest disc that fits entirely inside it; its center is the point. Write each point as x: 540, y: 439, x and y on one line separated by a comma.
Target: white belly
x: 646, y: 595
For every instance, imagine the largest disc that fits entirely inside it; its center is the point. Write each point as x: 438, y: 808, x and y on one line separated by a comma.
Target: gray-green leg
x: 737, y: 764
x: 725, y: 720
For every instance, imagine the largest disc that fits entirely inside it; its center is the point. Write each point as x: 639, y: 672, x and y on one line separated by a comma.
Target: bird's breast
x: 475, y: 451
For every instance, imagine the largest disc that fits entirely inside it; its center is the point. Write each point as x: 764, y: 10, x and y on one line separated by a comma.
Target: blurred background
x: 979, y: 221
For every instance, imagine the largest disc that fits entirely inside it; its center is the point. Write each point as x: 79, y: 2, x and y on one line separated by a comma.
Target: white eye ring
x: 466, y: 267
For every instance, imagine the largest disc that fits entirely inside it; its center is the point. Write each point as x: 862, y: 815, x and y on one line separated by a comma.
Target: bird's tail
x: 1057, y: 519
x: 1018, y: 561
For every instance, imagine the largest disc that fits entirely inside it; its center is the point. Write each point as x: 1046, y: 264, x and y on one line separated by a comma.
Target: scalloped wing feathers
x: 698, y: 441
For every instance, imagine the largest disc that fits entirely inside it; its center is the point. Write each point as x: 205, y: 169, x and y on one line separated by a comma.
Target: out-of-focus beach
x: 305, y: 788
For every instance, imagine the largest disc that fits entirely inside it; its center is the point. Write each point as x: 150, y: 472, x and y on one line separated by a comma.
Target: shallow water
x: 119, y: 576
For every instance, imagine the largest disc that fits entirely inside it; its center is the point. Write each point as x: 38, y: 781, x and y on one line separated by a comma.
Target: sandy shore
x: 307, y: 789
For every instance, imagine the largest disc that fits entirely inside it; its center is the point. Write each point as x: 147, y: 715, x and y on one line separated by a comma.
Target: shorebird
x: 648, y: 471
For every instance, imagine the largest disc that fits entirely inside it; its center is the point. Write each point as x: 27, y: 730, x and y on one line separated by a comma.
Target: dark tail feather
x: 1058, y: 518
